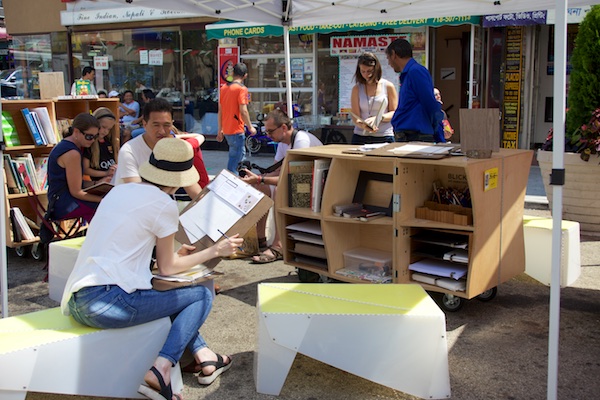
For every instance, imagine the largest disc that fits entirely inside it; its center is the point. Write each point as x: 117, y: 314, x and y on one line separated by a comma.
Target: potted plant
x: 581, y: 192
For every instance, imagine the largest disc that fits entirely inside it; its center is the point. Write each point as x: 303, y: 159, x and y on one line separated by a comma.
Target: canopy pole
x: 560, y: 57
x: 288, y: 71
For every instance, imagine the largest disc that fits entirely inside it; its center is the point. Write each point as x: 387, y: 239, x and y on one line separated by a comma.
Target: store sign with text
x: 350, y: 45
x: 512, y: 87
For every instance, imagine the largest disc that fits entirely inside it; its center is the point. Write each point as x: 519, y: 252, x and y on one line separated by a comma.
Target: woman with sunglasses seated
x: 66, y: 197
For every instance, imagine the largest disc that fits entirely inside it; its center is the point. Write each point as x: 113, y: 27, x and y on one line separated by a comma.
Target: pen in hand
x: 227, y: 237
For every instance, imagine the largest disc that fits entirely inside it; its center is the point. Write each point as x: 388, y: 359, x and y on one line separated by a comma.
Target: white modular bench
x: 45, y: 351
x: 400, y: 325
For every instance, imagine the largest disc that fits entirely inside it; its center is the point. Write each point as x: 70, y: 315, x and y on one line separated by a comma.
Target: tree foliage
x: 584, y: 83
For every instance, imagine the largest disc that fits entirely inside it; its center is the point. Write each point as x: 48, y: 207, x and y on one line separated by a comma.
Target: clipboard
x: 99, y: 189
x: 242, y: 224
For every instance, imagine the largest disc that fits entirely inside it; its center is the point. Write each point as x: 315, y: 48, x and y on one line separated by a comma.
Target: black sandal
x: 165, y: 392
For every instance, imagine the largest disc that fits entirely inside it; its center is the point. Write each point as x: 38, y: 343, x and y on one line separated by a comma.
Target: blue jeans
x: 237, y: 150
x: 108, y: 306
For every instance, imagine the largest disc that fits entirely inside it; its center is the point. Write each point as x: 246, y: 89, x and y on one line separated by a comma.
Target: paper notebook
x: 378, y: 116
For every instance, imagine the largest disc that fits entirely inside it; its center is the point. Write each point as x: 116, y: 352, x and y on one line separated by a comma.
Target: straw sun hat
x: 171, y: 164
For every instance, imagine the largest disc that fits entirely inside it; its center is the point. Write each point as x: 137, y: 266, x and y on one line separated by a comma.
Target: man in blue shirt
x: 419, y: 113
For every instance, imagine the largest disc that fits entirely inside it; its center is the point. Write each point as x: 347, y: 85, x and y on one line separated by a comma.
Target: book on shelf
x: 16, y: 232
x: 457, y: 255
x: 24, y: 228
x: 46, y: 122
x: 300, y: 189
x: 62, y: 125
x: 38, y: 125
x: 41, y: 171
x: 340, y: 209
x: 99, y: 189
x: 9, y: 131
x: 32, y: 127
x: 310, y: 249
x: 10, y: 177
x: 300, y: 183
x: 442, y: 239
x: 320, y: 171
x: 27, y: 171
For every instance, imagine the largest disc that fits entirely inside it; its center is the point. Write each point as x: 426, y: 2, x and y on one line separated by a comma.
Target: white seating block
x: 47, y: 352
x: 538, y: 250
x: 400, y: 324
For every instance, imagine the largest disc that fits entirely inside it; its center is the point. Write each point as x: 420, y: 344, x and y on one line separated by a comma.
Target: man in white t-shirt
x: 87, y: 74
x: 158, y: 122
x: 280, y: 129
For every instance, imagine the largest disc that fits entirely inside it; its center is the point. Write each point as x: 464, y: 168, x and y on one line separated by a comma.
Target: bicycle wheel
x: 253, y: 144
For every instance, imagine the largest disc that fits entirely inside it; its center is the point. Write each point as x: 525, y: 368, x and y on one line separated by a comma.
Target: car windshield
x: 6, y: 73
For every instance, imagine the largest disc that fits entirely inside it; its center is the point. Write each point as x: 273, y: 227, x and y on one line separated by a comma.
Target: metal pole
x: 288, y: 71
x: 557, y: 180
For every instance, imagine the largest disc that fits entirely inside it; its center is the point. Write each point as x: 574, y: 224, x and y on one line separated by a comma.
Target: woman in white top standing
x: 368, y: 95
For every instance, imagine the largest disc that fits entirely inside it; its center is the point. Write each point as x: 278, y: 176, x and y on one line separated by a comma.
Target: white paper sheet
x: 439, y: 268
x: 236, y: 192
x: 422, y: 149
x: 207, y: 216
x: 311, y: 226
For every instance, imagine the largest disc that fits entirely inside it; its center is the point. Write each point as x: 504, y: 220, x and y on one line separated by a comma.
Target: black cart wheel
x: 21, y: 251
x: 38, y: 252
x: 336, y: 137
x: 488, y: 294
x: 305, y: 276
x: 253, y: 144
x: 452, y: 303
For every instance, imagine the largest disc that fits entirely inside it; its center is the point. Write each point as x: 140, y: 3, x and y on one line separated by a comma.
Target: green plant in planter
x: 584, y: 84
x: 582, y: 134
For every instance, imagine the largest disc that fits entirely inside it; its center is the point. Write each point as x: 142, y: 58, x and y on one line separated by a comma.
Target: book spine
x: 35, y: 134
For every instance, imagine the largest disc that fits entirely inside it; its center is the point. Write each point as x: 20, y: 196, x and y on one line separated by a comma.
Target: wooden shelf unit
x: 56, y: 109
x: 496, y: 246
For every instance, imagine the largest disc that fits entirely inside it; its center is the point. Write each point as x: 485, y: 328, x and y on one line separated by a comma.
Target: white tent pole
x: 288, y: 70
x: 557, y: 180
x: 3, y: 224
x: 471, y: 66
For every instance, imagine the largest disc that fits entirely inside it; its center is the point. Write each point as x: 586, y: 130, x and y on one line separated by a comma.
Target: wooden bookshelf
x: 496, y: 250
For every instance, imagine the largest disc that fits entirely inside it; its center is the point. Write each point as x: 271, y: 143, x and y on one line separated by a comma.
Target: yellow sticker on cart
x: 490, y: 179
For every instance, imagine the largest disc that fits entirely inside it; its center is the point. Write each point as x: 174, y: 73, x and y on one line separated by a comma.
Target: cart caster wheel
x: 21, y: 251
x: 305, y: 276
x: 37, y: 252
x: 488, y: 294
x: 452, y: 303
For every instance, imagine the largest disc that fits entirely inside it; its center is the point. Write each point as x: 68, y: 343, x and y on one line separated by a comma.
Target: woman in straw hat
x: 110, y: 286
x: 99, y: 159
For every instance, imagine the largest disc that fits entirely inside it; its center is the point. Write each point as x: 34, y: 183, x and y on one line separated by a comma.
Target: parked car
x: 10, y: 81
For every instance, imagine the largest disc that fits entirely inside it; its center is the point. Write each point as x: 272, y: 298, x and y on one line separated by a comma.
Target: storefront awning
x: 233, y: 29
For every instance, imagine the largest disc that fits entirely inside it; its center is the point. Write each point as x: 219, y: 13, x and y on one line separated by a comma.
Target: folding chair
x: 50, y: 229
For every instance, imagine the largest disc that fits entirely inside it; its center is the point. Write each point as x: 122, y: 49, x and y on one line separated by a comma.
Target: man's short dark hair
x: 401, y: 47
x: 157, y: 105
x: 149, y: 94
x: 87, y: 70
x: 240, y: 69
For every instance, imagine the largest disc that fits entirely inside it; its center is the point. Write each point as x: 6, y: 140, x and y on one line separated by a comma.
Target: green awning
x: 232, y: 29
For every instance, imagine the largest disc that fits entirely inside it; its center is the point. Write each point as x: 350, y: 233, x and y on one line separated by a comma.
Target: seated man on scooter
x: 280, y: 129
